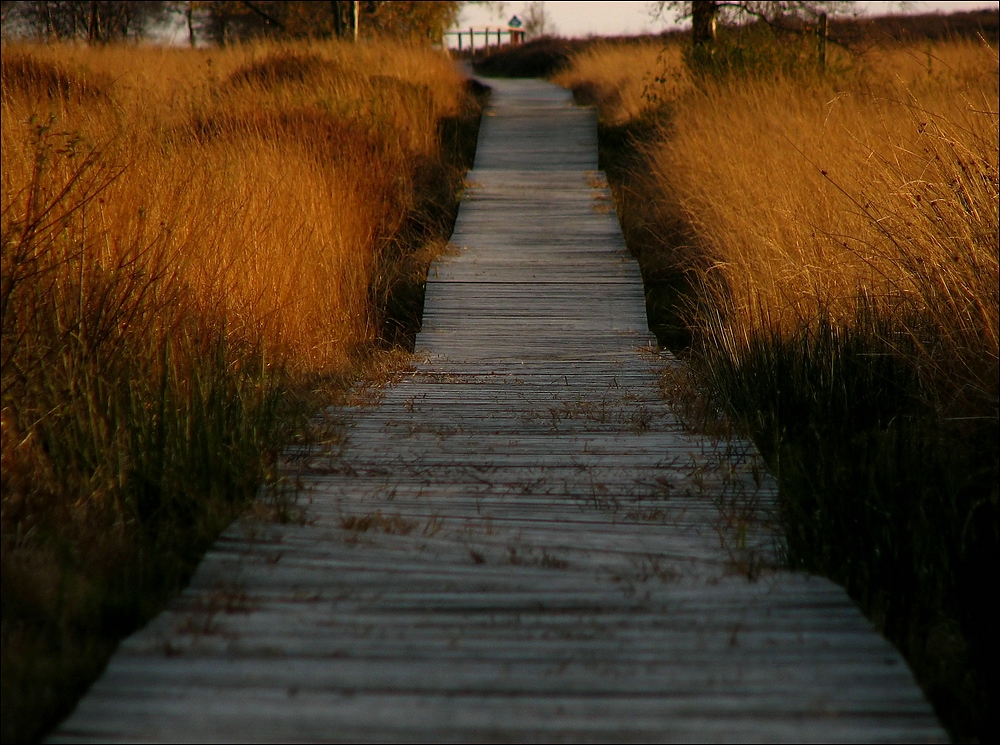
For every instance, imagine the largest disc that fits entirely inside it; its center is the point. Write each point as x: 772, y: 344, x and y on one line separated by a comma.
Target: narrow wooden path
x: 518, y: 542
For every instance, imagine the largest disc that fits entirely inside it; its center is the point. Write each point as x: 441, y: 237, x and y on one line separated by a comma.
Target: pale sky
x: 627, y: 18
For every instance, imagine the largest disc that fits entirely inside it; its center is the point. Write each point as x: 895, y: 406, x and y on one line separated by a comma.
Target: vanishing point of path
x: 518, y: 542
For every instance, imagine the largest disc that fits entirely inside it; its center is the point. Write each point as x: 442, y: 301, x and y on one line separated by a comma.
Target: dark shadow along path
x: 519, y: 542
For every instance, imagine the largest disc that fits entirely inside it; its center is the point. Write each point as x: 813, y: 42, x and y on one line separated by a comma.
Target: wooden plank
x: 518, y: 540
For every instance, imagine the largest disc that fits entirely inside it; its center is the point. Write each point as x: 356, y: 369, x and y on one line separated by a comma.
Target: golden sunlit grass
x: 210, y: 143
x: 811, y: 202
x: 626, y: 80
x: 189, y: 238
x: 835, y: 240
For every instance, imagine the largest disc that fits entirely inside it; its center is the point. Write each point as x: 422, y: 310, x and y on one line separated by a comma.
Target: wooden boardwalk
x: 518, y: 542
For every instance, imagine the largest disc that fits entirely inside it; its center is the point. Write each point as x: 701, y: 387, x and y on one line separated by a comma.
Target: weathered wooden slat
x: 517, y: 540
x: 291, y: 714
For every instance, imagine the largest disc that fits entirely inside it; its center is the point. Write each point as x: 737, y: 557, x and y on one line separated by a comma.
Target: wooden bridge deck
x: 519, y: 542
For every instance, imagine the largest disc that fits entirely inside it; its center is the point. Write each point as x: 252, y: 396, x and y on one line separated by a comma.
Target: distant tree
x: 796, y: 17
x: 10, y: 21
x: 705, y: 14
x: 6, y: 8
x: 417, y: 20
x: 242, y: 19
x: 195, y: 15
x: 536, y: 20
x: 95, y: 21
x: 769, y: 11
x: 498, y: 7
x: 221, y: 21
x: 235, y: 20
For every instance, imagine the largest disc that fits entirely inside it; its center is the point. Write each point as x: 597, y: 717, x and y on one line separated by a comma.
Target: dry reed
x: 824, y: 197
x: 813, y: 201
x: 627, y: 81
x: 187, y: 238
x: 836, y: 237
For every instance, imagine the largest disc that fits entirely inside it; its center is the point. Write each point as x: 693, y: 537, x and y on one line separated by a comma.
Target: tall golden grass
x: 812, y: 198
x: 838, y: 236
x: 814, y: 201
x: 187, y: 237
x: 276, y: 176
x: 627, y: 80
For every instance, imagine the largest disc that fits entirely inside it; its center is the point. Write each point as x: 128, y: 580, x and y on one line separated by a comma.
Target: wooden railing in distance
x: 496, y: 34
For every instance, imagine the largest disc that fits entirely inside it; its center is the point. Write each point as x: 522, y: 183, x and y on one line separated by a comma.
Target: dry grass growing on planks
x: 626, y: 80
x: 191, y: 242
x: 833, y: 242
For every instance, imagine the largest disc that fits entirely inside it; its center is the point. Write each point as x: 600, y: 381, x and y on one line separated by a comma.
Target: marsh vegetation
x: 200, y: 249
x: 820, y: 245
